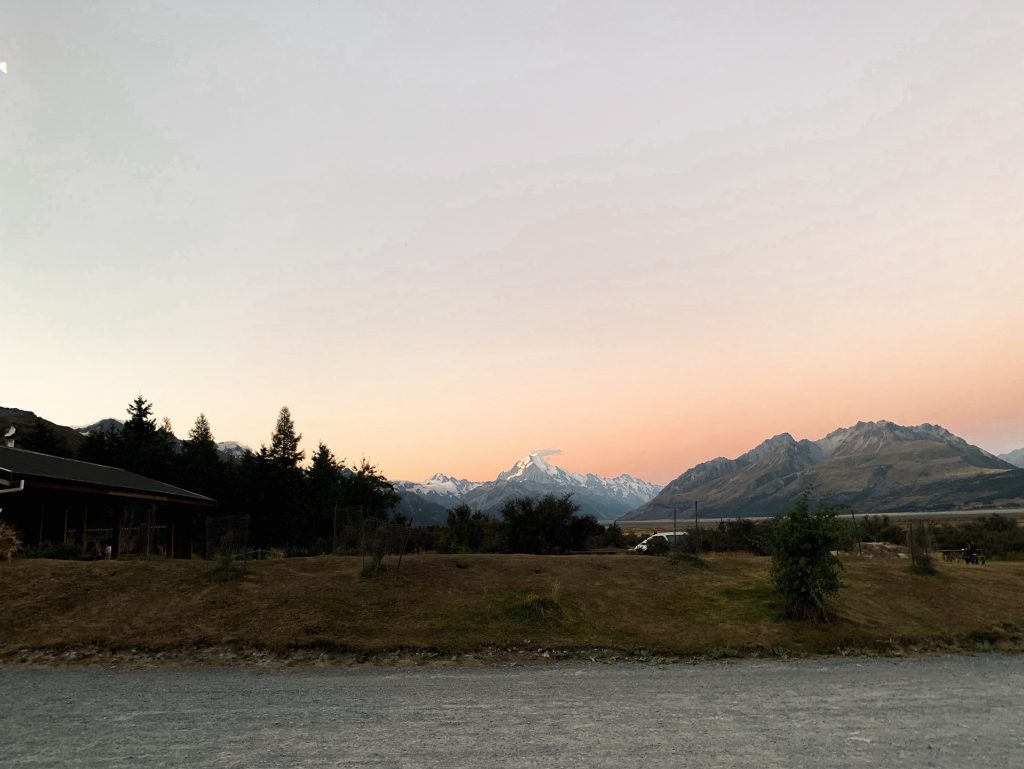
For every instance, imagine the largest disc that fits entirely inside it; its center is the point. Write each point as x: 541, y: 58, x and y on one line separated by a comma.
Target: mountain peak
x: 875, y: 466
x: 534, y: 467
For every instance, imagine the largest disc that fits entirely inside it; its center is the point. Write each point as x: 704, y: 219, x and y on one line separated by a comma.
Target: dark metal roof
x: 31, y: 464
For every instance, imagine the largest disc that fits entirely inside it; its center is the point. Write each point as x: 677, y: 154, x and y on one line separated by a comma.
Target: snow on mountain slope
x: 534, y: 476
x: 232, y: 449
x: 440, y: 488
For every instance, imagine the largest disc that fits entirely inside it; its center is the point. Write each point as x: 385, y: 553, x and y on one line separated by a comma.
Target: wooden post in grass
x: 405, y: 541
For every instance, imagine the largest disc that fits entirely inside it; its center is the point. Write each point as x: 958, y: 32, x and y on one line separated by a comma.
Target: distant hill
x: 24, y: 423
x: 1015, y: 458
x: 871, y: 466
x: 104, y: 425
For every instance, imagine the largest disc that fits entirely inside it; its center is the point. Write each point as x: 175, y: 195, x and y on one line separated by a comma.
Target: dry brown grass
x: 454, y: 604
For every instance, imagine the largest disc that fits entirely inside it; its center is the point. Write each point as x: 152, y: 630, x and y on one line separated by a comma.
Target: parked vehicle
x: 671, y: 538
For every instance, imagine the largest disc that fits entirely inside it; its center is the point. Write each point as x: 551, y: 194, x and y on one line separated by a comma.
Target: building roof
x: 21, y: 464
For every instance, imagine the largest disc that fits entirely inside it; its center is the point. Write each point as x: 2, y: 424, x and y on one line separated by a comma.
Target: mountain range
x: 24, y: 422
x: 532, y: 476
x: 872, y: 467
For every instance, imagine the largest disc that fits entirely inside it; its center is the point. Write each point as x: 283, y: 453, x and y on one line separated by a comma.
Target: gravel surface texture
x: 917, y: 712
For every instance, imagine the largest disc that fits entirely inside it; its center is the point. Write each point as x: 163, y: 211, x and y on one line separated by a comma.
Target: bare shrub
x: 10, y: 543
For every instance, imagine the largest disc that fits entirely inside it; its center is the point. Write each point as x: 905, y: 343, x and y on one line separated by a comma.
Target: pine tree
x: 140, y: 425
x: 201, y: 436
x: 324, y: 486
x: 203, y: 469
x: 148, y: 450
x: 284, y: 443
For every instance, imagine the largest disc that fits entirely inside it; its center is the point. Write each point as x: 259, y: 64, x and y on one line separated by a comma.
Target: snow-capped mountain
x: 440, y: 488
x: 534, y: 476
x: 232, y: 449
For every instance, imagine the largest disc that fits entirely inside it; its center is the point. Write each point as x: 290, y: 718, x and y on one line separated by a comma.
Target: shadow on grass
x: 690, y: 560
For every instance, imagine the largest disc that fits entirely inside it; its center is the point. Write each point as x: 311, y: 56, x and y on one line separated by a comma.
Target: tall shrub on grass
x: 804, y: 570
x: 540, y: 526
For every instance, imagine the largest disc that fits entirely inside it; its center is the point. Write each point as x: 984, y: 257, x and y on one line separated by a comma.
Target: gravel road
x: 922, y: 712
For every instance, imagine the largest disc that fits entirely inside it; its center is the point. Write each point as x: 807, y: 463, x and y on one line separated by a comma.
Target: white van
x: 673, y: 538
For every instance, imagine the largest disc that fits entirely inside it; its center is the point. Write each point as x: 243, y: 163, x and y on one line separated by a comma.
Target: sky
x: 446, y: 234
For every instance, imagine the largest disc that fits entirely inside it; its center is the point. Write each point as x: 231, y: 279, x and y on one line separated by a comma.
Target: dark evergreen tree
x: 278, y: 509
x: 202, y: 469
x: 369, y: 491
x: 284, y: 443
x: 147, y: 449
x: 43, y: 438
x: 540, y: 526
x: 200, y: 438
x: 325, y: 512
x: 104, y: 447
x: 141, y: 426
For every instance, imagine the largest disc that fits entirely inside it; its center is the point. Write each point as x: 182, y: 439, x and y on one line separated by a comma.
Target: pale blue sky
x: 448, y: 233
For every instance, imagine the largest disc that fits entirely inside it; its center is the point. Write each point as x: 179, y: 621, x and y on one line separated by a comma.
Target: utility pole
x: 860, y: 547
x: 696, y: 526
x: 675, y: 536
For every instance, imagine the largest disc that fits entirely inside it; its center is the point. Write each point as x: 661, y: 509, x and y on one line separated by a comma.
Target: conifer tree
x: 200, y: 437
x: 148, y: 450
x: 324, y: 480
x: 284, y: 443
x: 140, y: 425
x: 203, y: 469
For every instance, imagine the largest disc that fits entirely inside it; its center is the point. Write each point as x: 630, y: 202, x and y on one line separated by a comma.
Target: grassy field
x: 442, y: 605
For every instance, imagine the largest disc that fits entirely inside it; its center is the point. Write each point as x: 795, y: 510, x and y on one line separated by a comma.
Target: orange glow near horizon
x: 445, y: 236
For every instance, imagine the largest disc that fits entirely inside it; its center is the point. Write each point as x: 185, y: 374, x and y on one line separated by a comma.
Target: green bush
x: 804, y: 570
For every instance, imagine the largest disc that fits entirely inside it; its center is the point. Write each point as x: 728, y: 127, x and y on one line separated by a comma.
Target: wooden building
x: 58, y: 500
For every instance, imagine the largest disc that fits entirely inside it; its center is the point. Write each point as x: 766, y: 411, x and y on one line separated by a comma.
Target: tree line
x: 303, y: 509
x: 324, y: 506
